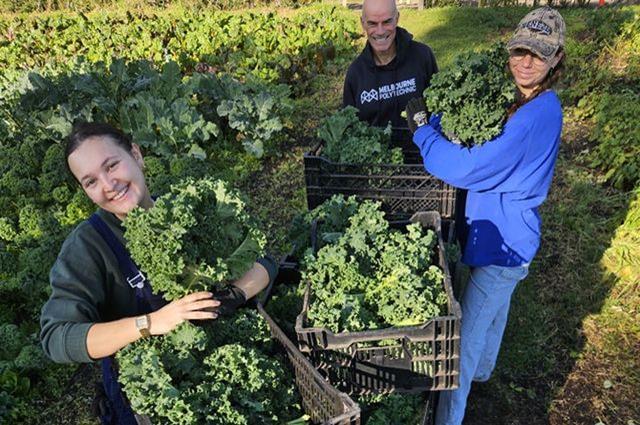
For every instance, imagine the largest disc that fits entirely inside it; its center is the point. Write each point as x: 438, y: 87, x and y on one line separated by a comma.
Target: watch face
x: 142, y: 324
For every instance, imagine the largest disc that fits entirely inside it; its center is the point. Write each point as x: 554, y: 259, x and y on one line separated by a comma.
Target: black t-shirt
x: 380, y: 93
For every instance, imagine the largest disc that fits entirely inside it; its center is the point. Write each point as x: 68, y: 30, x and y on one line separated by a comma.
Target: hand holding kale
x: 230, y: 299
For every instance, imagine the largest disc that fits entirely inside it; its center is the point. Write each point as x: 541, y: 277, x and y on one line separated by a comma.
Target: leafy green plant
x: 349, y: 140
x: 603, y: 93
x: 264, y: 45
x: 13, y: 390
x: 332, y: 217
x: 21, y: 360
x: 15, y: 6
x: 194, y: 237
x: 392, y: 409
x: 372, y: 277
x: 255, y: 110
x: 473, y: 96
x: 212, y: 374
x: 617, y: 133
x: 165, y: 113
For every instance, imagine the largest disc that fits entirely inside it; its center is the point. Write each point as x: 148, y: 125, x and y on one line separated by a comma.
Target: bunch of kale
x: 473, y: 96
x: 226, y: 372
x: 351, y: 141
x: 194, y: 238
x: 370, y: 276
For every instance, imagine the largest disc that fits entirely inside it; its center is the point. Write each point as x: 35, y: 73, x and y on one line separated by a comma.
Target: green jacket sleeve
x: 77, y: 281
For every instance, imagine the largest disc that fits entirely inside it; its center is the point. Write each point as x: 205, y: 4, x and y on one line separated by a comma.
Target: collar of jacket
x: 403, y: 39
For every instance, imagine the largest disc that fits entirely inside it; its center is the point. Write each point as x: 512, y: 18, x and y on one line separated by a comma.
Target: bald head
x: 379, y: 7
x: 379, y: 21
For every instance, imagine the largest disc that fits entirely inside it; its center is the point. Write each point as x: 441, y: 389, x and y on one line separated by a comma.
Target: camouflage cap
x: 540, y: 31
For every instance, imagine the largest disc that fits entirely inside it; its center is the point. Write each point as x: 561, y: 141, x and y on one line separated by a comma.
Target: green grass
x: 450, y: 31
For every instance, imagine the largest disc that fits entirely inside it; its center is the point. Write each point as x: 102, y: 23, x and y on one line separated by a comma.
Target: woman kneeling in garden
x: 100, y: 302
x: 507, y: 179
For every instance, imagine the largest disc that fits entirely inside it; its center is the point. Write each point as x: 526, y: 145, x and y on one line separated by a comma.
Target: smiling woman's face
x: 109, y: 175
x: 528, y: 70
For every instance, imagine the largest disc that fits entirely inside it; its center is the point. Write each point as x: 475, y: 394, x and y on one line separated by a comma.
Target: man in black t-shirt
x: 391, y: 69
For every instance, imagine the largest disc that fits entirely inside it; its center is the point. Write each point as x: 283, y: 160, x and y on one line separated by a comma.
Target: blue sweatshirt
x: 507, y: 178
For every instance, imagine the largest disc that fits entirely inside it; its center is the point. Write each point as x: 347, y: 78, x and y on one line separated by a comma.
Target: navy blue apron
x: 118, y: 411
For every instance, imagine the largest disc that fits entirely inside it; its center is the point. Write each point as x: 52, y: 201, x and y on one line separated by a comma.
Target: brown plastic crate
x: 423, y: 357
x: 325, y: 404
x: 403, y: 189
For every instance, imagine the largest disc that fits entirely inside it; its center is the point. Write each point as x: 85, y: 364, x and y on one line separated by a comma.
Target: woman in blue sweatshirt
x: 507, y: 179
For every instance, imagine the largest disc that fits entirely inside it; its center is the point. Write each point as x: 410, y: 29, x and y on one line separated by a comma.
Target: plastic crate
x: 423, y: 357
x: 403, y: 189
x: 323, y: 403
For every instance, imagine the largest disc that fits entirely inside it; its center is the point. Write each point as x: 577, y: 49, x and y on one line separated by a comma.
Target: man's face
x: 379, y: 21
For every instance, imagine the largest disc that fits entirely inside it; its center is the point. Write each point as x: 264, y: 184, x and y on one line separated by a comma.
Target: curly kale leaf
x: 146, y: 377
x: 248, y: 387
x: 248, y: 329
x: 393, y: 409
x: 195, y: 237
x: 349, y: 140
x: 12, y: 341
x: 473, y: 96
x: 209, y: 375
x: 372, y: 276
x: 332, y: 216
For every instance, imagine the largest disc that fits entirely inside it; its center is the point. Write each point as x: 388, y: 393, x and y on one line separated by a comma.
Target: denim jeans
x: 485, y: 309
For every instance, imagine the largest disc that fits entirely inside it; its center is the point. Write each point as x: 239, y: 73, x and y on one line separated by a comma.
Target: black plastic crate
x: 322, y: 402
x: 423, y: 357
x: 403, y: 189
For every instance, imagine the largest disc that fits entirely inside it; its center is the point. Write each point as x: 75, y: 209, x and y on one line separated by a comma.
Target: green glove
x: 417, y: 114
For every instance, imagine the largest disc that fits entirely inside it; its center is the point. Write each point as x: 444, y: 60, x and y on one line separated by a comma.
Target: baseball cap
x: 541, y: 31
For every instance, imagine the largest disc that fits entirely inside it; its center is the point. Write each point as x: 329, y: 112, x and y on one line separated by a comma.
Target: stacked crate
x: 420, y: 358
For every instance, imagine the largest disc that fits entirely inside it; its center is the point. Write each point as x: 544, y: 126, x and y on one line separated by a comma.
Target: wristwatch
x: 142, y: 325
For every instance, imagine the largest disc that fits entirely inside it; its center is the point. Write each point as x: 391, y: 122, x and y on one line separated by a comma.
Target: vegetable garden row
x: 208, y: 96
x: 264, y: 45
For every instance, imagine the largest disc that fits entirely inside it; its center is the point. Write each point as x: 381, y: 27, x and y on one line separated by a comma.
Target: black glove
x: 230, y: 299
x: 417, y: 114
